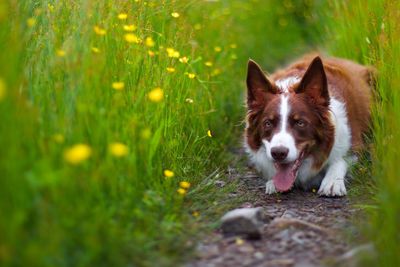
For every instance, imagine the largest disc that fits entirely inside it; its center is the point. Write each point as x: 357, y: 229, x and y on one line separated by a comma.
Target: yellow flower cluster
x: 183, y: 188
x: 132, y: 38
x: 129, y: 28
x: 99, y: 31
x: 172, y: 53
x: 81, y: 152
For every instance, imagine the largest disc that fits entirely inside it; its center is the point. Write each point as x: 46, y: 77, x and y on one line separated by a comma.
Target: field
x: 117, y: 116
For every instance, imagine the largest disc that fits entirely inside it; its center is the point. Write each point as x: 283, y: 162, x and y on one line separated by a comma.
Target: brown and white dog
x: 303, y: 122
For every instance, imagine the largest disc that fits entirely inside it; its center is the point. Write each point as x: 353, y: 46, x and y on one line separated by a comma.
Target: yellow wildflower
x: 132, y: 38
x: 149, y: 42
x: 31, y: 22
x: 189, y: 100
x: 217, y: 49
x: 151, y: 53
x: 118, y: 86
x: 183, y: 60
x: 184, y: 185
x: 2, y: 89
x: 122, y: 16
x: 99, y: 31
x: 170, y: 69
x: 60, y: 53
x: 118, y: 149
x: 95, y: 50
x: 191, y: 75
x: 181, y: 191
x: 208, y: 63
x: 175, y: 14
x: 172, y: 52
x: 233, y: 46
x: 156, y: 95
x: 129, y: 28
x: 169, y: 173
x: 209, y: 133
x: 77, y: 154
x: 58, y: 138
x: 145, y: 133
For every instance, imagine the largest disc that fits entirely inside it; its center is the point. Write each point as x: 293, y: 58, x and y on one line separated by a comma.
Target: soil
x: 302, y: 229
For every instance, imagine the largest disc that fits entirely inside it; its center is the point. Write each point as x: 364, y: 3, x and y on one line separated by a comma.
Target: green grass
x: 56, y: 92
x: 367, y: 31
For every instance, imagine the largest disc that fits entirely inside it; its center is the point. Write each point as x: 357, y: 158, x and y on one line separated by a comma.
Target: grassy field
x: 116, y: 117
x: 368, y: 31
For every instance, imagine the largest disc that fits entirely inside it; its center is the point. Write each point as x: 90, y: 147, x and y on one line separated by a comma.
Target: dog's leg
x: 270, y: 187
x: 333, y: 182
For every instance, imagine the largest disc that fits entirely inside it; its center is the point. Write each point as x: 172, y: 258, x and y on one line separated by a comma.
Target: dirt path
x: 303, y: 229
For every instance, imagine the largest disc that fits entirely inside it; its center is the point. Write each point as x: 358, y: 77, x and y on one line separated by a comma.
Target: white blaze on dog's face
x: 287, y: 117
x: 282, y: 146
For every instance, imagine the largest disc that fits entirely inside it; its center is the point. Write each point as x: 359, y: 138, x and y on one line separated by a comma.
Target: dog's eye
x: 301, y: 123
x: 268, y: 124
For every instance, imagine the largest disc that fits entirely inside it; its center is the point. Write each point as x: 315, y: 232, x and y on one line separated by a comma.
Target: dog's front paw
x: 332, y: 188
x: 270, y: 188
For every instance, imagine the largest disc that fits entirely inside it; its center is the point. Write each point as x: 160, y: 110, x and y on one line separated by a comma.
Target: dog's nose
x: 279, y: 153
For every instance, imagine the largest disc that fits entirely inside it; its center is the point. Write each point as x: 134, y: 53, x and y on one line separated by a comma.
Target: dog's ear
x: 258, y: 86
x: 314, y: 83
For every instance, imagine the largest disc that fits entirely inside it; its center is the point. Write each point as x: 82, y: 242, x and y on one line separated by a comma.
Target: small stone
x: 219, y: 183
x: 246, y: 221
x: 258, y: 255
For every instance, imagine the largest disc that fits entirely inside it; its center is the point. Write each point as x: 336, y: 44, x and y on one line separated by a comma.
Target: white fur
x: 333, y: 182
x: 336, y: 165
x: 283, y: 138
x: 286, y: 83
x: 270, y: 187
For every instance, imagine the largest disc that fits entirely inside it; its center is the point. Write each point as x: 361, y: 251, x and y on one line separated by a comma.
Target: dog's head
x: 290, y: 118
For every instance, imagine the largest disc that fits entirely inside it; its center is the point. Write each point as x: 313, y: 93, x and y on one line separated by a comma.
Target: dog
x: 307, y: 121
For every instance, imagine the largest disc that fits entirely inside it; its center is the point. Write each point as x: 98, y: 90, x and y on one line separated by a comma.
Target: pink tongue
x: 284, y: 177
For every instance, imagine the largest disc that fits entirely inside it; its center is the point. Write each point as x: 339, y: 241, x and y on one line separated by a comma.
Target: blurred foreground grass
x: 368, y: 32
x: 116, y: 116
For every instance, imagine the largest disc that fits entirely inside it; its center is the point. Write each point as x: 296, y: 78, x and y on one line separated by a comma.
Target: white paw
x: 332, y: 188
x: 270, y: 188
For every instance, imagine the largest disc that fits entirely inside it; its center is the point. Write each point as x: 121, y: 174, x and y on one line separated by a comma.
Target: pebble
x: 246, y: 221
